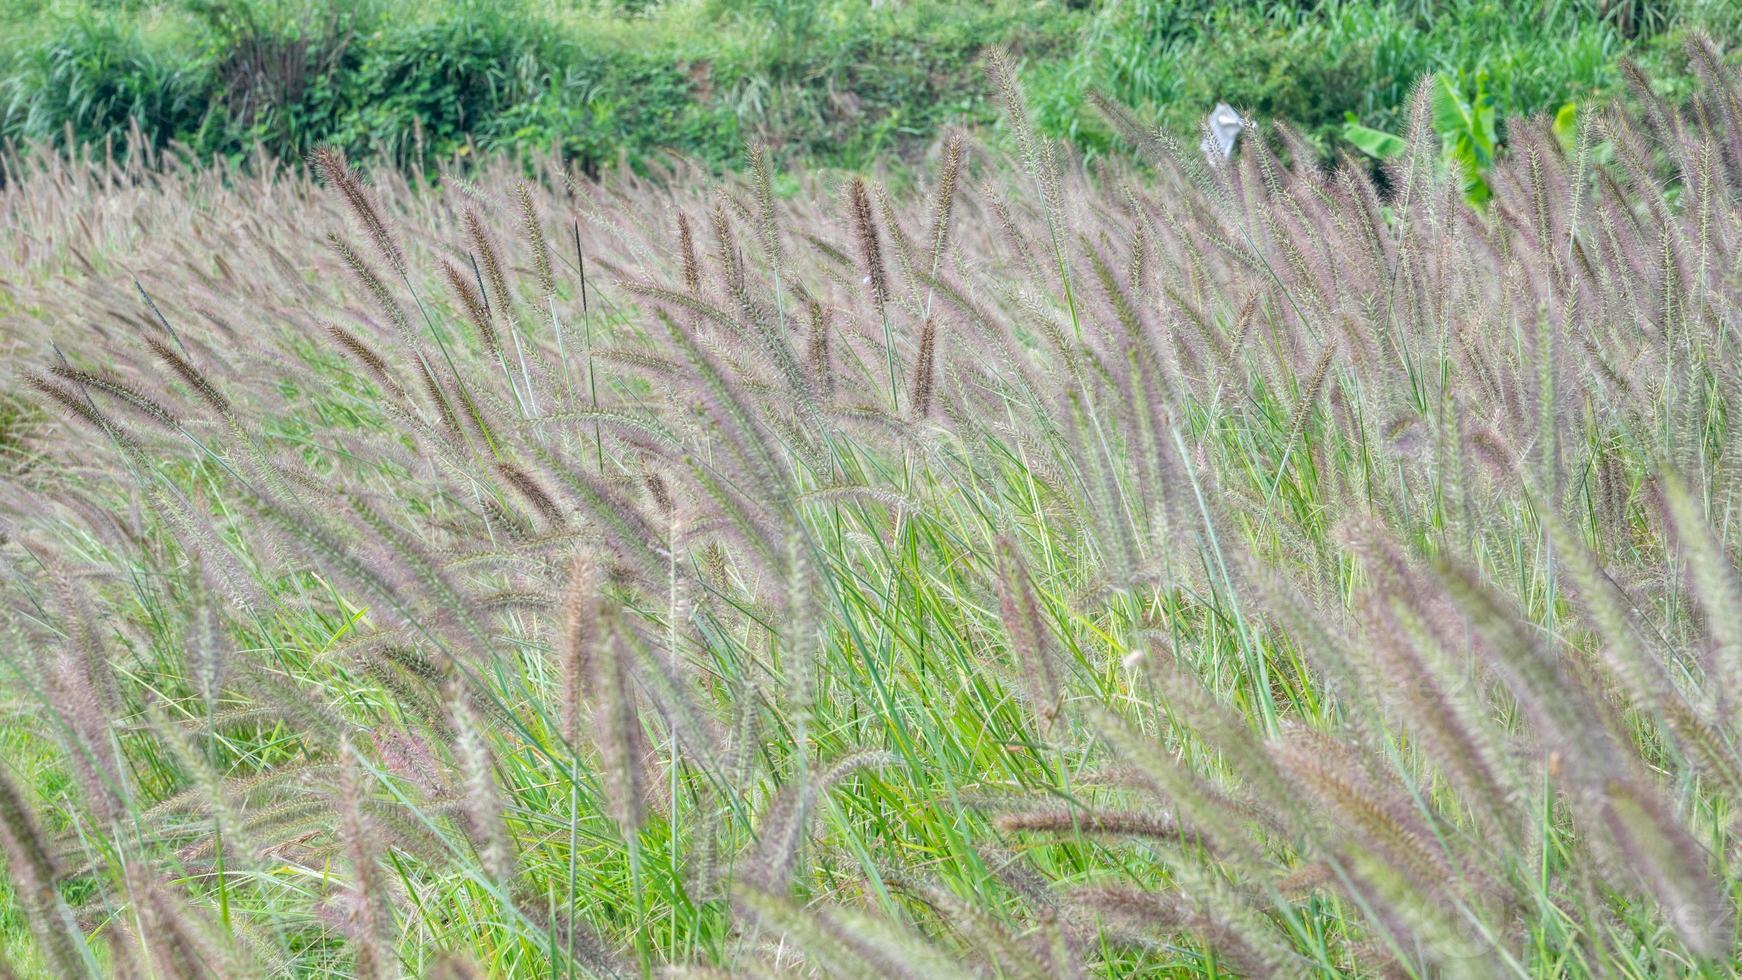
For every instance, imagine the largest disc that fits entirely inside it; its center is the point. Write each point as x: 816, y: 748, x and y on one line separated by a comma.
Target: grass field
x: 1151, y: 568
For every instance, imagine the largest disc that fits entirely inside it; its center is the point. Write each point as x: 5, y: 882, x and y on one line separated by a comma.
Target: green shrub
x: 94, y: 72
x: 835, y: 82
x: 278, y: 72
x: 1312, y: 63
x: 608, y: 102
x: 441, y: 78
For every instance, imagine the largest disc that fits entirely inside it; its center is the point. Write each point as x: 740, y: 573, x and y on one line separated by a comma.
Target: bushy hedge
x: 832, y: 81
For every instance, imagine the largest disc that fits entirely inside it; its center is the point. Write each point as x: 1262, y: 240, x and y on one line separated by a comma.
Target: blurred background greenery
x: 825, y: 82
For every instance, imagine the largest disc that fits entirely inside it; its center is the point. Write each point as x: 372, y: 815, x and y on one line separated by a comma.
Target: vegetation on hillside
x: 1044, y: 571
x: 823, y: 82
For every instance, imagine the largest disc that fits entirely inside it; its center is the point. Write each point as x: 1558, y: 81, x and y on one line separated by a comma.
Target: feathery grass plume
x: 1715, y: 585
x: 482, y: 801
x: 817, y: 351
x: 1196, y: 707
x: 1432, y: 938
x: 686, y: 247
x: 905, y: 260
x: 1410, y: 170
x: 726, y: 252
x: 472, y: 301
x: 1137, y: 331
x: 1137, y: 271
x: 837, y: 262
x: 451, y: 610
x: 339, y: 175
x: 924, y: 370
x: 1019, y: 608
x: 124, y: 955
x: 704, y: 311
x: 1103, y: 500
x: 1422, y: 677
x: 84, y: 729
x: 981, y: 931
x: 438, y: 394
x: 1382, y: 821
x: 735, y: 768
x: 454, y: 966
x: 1205, y: 905
x: 864, y: 222
x: 1663, y: 120
x: 371, y: 281
x: 209, y: 647
x: 648, y: 434
x: 81, y: 408
x: 1002, y: 73
x: 660, y: 491
x: 1013, y: 237
x: 1225, y: 828
x: 541, y: 268
x: 1640, y: 676
x: 801, y: 644
x: 734, y: 412
x: 179, y: 941
x: 944, y: 200
x: 33, y: 876
x: 221, y: 797
x: 623, y: 525
x: 484, y: 249
x: 1675, y: 867
x: 157, y: 314
x: 372, y: 919
x: 762, y: 182
x: 1565, y: 717
x: 1310, y: 627
x: 785, y: 824
x: 581, y: 615
x: 1146, y: 139
x: 662, y: 676
x: 86, y: 648
x: 130, y: 397
x: 839, y: 943
x: 617, y: 725
x: 366, y: 356
x: 1721, y: 93
x: 528, y: 488
x: 1436, y: 704
x: 1090, y: 822
x: 774, y: 345
x: 1601, y: 774
x: 1310, y: 392
x: 190, y: 375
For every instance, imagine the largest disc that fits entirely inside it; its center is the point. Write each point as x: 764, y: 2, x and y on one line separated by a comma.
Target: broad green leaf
x: 1467, y: 131
x: 1451, y: 114
x: 1483, y: 135
x: 1374, y: 142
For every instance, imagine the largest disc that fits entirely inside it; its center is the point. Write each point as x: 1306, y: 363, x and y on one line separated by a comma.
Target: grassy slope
x: 825, y: 82
x: 312, y: 604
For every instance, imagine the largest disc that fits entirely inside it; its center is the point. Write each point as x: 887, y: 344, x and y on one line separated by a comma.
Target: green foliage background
x: 832, y: 82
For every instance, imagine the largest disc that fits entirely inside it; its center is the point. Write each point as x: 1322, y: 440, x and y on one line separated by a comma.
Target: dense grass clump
x: 1183, y: 569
